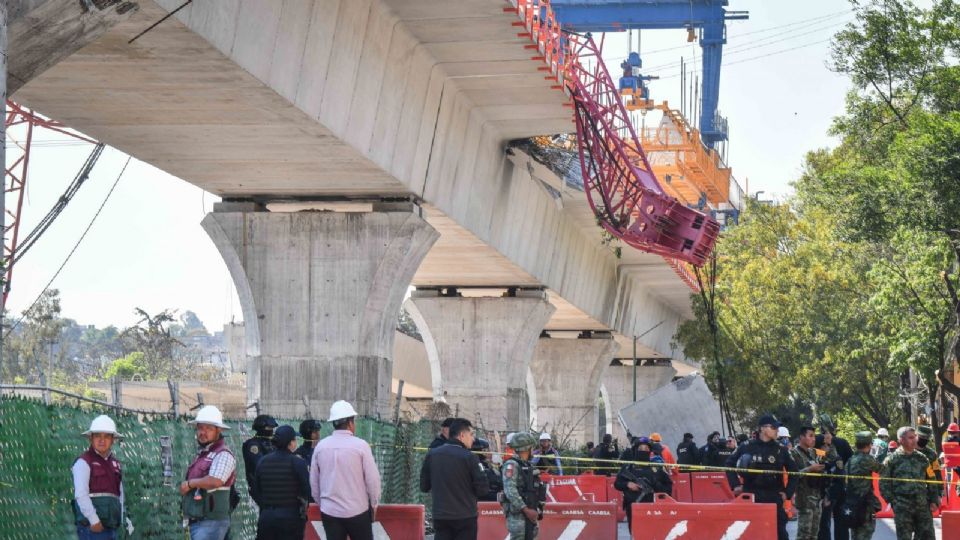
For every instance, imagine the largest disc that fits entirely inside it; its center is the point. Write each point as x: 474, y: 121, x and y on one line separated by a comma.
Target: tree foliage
x: 842, y: 295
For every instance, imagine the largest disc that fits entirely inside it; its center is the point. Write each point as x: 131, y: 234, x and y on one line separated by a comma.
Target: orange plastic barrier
x: 950, y: 525
x: 394, y: 521
x: 584, y: 521
x: 581, y: 488
x: 615, y: 496
x: 741, y: 518
x: 681, y: 488
x: 710, y: 487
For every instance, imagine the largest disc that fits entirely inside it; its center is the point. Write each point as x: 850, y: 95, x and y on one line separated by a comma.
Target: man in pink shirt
x: 344, y: 479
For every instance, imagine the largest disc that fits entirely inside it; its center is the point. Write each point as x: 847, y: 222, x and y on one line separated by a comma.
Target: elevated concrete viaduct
x: 353, y: 102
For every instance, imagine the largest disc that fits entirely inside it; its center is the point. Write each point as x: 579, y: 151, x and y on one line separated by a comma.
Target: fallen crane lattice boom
x: 620, y: 184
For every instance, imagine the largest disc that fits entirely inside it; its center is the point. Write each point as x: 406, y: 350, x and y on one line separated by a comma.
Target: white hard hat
x: 882, y: 432
x: 102, y: 424
x: 340, y: 410
x: 510, y: 437
x: 782, y: 431
x: 211, y: 415
x: 544, y: 436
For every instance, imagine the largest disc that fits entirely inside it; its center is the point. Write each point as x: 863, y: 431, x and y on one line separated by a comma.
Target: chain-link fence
x: 39, y: 443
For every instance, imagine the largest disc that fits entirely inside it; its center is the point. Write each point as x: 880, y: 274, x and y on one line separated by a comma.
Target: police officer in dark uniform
x: 258, y: 446
x: 767, y: 454
x: 441, y: 438
x: 716, y: 452
x: 687, y: 451
x: 310, y: 431
x: 481, y: 448
x: 641, y: 480
x: 281, y: 487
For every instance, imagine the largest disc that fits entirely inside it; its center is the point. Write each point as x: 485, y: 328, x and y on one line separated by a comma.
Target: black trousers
x: 280, y: 524
x: 774, y: 498
x: 455, y: 529
x: 358, y: 527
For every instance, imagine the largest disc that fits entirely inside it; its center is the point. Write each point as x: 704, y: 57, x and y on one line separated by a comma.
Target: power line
x: 759, y: 44
x: 725, y: 64
x: 802, y: 24
x: 74, y: 249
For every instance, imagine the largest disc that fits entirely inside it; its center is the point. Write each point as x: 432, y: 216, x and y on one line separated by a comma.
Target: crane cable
x: 60, y: 205
x: 709, y: 304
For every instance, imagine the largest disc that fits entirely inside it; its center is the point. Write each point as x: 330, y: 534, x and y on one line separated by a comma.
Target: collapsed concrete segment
x: 320, y: 293
x: 566, y: 378
x: 617, y: 385
x: 480, y: 350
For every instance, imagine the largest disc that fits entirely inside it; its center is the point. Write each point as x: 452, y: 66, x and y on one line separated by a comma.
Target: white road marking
x: 573, y: 530
x: 735, y: 530
x: 677, y: 531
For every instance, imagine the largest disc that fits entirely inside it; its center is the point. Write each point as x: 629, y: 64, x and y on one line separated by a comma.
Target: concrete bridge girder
x: 359, y: 97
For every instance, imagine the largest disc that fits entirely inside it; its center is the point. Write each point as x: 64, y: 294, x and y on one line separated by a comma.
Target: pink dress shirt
x: 344, y: 479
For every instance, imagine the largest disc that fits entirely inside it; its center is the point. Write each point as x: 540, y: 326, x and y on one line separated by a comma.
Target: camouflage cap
x: 863, y: 437
x: 522, y: 441
x: 925, y: 432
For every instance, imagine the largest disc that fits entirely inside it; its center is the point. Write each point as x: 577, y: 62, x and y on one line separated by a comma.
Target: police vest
x: 215, y: 503
x: 105, y: 480
x: 531, y: 489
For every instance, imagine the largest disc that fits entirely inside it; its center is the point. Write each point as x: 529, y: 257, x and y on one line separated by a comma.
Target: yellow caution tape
x: 711, y: 468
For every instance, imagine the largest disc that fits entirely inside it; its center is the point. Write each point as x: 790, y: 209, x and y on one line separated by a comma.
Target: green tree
x: 128, y: 367
x: 152, y: 336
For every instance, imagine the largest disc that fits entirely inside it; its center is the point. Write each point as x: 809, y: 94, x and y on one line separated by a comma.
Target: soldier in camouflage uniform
x: 809, y: 494
x: 859, y: 488
x: 924, y: 434
x: 913, y: 502
x: 520, y: 483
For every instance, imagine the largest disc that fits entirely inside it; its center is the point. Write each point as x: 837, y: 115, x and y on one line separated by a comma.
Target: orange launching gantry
x: 688, y: 170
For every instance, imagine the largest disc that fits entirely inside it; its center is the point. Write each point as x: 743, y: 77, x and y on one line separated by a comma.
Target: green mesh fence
x: 39, y: 443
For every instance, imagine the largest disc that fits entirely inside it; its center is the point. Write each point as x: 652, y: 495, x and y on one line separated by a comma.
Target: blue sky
x: 147, y: 248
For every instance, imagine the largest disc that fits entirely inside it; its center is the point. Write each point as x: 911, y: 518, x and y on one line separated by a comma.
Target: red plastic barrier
x: 950, y: 525
x: 582, y: 521
x: 681, y: 488
x: 582, y: 488
x: 741, y: 518
x: 951, y: 454
x: 394, y: 521
x: 710, y: 487
x: 615, y: 496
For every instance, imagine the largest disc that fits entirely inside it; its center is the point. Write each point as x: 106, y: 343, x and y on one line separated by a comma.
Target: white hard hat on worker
x: 210, y: 415
x: 103, y: 424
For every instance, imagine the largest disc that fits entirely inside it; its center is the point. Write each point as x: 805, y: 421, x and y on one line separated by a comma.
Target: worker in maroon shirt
x: 98, y: 484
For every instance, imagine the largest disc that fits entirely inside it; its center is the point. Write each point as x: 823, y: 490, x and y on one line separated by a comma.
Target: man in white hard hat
x: 880, y: 445
x: 206, y: 490
x: 546, y: 457
x: 98, y: 484
x: 344, y: 479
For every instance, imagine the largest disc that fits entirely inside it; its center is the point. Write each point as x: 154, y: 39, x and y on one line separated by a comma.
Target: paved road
x: 885, y: 530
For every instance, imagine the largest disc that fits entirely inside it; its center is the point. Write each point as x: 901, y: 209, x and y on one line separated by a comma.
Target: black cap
x: 768, y: 419
x: 264, y: 422
x: 283, y: 435
x: 688, y: 436
x: 479, y: 444
x: 307, y: 427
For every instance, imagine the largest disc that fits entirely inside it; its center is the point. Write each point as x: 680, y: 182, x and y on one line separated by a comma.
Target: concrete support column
x: 320, y: 293
x: 617, y: 388
x: 566, y: 378
x: 480, y: 351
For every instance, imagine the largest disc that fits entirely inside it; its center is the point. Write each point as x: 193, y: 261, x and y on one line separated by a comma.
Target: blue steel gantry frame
x: 708, y: 16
